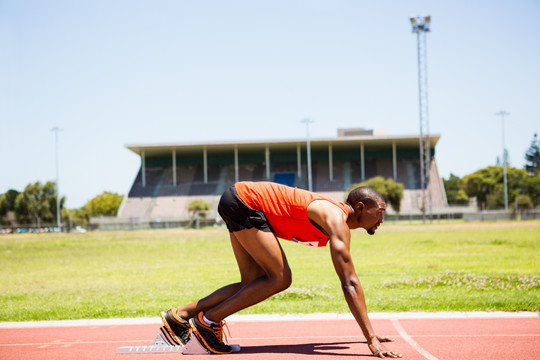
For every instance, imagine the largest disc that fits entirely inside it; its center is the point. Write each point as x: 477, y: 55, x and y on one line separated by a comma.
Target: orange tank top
x: 286, y: 210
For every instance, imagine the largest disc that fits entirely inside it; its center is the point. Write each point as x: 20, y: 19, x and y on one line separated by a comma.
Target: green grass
x: 451, y: 267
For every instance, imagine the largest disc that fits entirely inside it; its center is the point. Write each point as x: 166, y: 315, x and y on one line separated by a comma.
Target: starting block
x: 162, y: 345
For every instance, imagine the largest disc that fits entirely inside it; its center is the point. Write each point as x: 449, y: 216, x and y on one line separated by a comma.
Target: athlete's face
x: 374, y: 216
x: 368, y: 217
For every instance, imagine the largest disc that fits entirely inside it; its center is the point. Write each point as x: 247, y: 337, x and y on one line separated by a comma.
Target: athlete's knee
x: 287, y: 281
x: 282, y: 281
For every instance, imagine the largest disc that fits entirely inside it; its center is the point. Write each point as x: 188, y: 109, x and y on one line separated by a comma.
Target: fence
x: 105, y: 223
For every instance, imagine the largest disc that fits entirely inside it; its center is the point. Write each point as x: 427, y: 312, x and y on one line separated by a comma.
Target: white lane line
x: 78, y: 342
x: 353, y: 337
x: 411, y: 341
x: 479, y: 335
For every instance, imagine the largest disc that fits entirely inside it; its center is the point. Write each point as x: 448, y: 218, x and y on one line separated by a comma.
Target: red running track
x: 417, y: 339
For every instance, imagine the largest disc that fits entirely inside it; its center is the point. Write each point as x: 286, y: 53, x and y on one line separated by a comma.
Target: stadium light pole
x: 502, y: 114
x: 308, y: 121
x: 56, y: 129
x: 421, y: 26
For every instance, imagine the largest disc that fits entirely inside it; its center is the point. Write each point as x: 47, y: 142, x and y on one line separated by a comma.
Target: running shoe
x: 209, y: 336
x: 177, y: 328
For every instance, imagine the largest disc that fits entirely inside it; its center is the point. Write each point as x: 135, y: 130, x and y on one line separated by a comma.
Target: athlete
x: 256, y: 214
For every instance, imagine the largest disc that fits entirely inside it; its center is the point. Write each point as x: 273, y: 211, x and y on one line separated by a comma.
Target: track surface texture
x: 432, y: 338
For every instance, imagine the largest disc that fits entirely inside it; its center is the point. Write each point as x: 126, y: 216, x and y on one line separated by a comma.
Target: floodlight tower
x: 420, y: 26
x: 56, y: 129
x: 502, y: 114
x: 308, y: 121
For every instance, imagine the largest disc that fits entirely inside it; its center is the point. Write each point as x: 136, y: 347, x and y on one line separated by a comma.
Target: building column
x: 394, y: 159
x: 330, y: 163
x: 143, y: 161
x: 362, y: 162
x: 236, y: 172
x: 267, y: 160
x: 174, y: 167
x: 299, y: 161
x: 205, y: 164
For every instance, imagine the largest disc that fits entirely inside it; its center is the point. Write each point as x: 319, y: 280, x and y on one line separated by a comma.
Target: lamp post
x: 420, y: 26
x: 308, y: 121
x: 502, y: 114
x: 56, y: 129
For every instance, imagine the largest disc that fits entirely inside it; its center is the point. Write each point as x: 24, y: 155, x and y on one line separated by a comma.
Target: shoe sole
x: 201, y: 340
x: 169, y: 330
x: 166, y: 336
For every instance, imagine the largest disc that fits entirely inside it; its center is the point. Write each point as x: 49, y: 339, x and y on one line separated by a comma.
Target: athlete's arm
x: 333, y: 220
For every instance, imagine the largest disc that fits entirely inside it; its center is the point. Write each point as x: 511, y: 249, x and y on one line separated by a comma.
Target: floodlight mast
x: 420, y: 26
x: 502, y: 114
x: 56, y: 129
x: 308, y: 121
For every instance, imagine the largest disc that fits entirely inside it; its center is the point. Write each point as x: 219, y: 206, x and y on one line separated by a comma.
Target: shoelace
x: 220, y: 333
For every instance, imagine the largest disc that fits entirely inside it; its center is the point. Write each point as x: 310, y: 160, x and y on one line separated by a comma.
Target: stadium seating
x: 160, y: 197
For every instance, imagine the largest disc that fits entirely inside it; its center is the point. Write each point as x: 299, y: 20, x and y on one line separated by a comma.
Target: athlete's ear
x: 360, y: 206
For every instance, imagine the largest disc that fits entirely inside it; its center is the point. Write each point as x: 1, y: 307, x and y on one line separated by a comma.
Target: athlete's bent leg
x: 249, y: 271
x: 255, y: 249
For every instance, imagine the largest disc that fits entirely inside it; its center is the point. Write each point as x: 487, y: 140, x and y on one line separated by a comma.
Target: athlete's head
x: 369, y: 207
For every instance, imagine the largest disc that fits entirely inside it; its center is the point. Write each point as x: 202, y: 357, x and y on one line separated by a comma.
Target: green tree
x: 106, y: 204
x: 481, y: 183
x: 523, y: 203
x: 3, y: 208
x: 10, y: 197
x: 532, y: 157
x: 198, y: 205
x: 390, y: 190
x: 531, y: 187
x: 37, y: 204
x: 75, y: 217
x: 461, y: 197
x: 197, y: 208
x: 7, y: 204
x: 487, y: 185
x: 49, y: 196
x: 455, y: 193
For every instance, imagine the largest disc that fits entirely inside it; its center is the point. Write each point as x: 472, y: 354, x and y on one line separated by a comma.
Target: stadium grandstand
x: 173, y: 175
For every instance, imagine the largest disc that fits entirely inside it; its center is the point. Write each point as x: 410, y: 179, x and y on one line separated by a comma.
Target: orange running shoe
x: 210, y: 336
x: 178, y: 329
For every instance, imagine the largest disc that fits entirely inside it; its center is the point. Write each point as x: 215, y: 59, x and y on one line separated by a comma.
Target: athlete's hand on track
x: 379, y: 350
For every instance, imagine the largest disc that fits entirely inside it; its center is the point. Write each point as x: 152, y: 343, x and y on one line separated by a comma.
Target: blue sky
x: 117, y: 72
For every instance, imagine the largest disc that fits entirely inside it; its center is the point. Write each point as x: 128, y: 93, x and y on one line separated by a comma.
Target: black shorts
x: 238, y: 216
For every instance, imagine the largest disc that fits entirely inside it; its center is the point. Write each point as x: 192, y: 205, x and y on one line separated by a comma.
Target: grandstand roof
x: 375, y: 140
